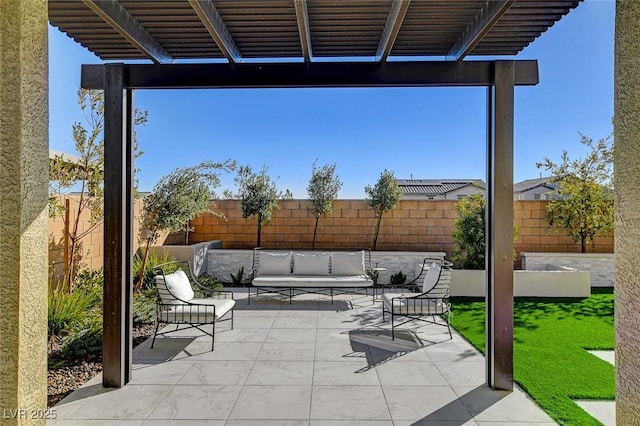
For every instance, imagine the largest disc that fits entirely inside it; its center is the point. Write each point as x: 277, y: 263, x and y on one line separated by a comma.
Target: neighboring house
x: 439, y: 189
x: 70, y: 158
x: 534, y: 189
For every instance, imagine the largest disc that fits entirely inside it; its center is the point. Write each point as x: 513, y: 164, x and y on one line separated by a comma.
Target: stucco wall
x: 627, y: 210
x: 23, y: 207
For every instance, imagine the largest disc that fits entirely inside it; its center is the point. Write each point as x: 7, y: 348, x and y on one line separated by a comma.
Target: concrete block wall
x: 600, y: 265
x: 414, y: 225
x: 92, y: 245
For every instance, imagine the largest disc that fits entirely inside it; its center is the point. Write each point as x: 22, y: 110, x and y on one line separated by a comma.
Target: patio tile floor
x: 310, y: 363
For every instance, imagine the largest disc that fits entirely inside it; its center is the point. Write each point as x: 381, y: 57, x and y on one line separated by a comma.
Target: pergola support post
x: 499, y: 231
x: 118, y: 226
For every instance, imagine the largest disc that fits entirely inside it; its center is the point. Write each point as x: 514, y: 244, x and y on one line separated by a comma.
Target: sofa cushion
x: 347, y: 263
x: 313, y: 281
x: 174, y: 286
x: 311, y: 263
x: 271, y: 263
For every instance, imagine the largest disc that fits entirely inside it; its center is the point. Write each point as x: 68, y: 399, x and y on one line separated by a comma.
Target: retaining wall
x: 600, y: 265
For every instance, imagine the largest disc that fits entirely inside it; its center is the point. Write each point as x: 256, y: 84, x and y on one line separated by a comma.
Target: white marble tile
x: 217, y: 373
x: 348, y: 403
x: 352, y: 373
x: 425, y: 404
x: 287, y: 351
x: 290, y: 373
x: 197, y: 402
x: 129, y: 402
x: 488, y: 405
x: 410, y: 374
x: 284, y: 335
x: 272, y: 403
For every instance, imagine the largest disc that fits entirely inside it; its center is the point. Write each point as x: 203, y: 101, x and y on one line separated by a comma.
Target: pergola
x: 296, y: 44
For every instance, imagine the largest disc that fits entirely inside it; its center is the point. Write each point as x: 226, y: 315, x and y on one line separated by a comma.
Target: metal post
x: 118, y: 181
x: 499, y: 231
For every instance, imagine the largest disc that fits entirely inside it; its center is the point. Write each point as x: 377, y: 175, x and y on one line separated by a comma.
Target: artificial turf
x: 550, y: 339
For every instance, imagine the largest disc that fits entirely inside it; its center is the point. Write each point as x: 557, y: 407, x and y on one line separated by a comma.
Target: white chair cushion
x: 200, y: 313
x: 178, y: 287
x: 274, y: 263
x: 311, y: 263
x: 431, y: 277
x: 347, y: 263
x: 410, y: 304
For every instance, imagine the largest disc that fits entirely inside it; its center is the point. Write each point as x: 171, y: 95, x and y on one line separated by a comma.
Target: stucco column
x: 23, y: 209
x: 627, y: 211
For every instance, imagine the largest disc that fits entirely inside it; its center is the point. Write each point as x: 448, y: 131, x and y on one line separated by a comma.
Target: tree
x: 86, y: 175
x: 177, y: 198
x: 258, y: 196
x: 323, y: 189
x: 470, y: 232
x: 382, y: 197
x: 582, y: 202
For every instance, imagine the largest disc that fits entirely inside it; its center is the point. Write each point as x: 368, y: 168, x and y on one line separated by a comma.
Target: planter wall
x: 196, y: 254
x: 599, y: 264
x: 554, y: 281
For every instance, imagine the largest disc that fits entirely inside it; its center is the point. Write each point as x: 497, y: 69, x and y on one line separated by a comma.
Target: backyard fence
x: 414, y: 225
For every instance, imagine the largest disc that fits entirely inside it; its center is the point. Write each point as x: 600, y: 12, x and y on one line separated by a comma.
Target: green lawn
x: 550, y: 338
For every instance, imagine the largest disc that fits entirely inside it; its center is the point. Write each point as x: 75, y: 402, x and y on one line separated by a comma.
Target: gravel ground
x: 63, y: 380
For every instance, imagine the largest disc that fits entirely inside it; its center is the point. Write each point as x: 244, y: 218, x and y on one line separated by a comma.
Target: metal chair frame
x: 196, y: 310
x: 415, y: 307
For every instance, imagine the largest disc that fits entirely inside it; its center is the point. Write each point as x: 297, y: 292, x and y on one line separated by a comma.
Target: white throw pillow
x: 274, y: 263
x: 346, y: 263
x: 431, y: 277
x: 179, y: 286
x: 311, y: 263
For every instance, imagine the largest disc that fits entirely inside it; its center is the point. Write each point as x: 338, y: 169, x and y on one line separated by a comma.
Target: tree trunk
x: 143, y: 266
x: 375, y: 239
x: 583, y: 243
x: 315, y: 232
x: 259, y: 229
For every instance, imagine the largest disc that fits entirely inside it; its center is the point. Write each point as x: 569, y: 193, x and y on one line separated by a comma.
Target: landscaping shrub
x: 144, y: 306
x: 90, y: 282
x: 87, y: 339
x: 399, y: 278
x: 67, y: 311
x: 236, y: 279
x: 210, y: 282
x: 153, y: 260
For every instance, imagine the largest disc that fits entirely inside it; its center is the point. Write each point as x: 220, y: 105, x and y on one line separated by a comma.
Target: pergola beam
x: 213, y: 23
x: 312, y: 74
x: 302, y: 17
x: 120, y: 20
x: 392, y: 27
x: 490, y: 14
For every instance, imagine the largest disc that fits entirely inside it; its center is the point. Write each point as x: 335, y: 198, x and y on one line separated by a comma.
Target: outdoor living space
x: 305, y: 363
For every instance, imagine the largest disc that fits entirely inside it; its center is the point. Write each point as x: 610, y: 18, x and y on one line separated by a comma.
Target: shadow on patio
x: 308, y: 363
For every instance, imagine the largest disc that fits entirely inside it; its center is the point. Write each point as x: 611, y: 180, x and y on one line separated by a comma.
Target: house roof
x: 297, y: 30
x: 436, y: 186
x: 528, y: 184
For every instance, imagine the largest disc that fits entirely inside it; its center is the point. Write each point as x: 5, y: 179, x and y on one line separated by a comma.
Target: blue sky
x: 428, y: 133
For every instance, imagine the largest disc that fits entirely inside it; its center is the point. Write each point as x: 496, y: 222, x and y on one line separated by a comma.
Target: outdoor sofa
x: 291, y: 272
